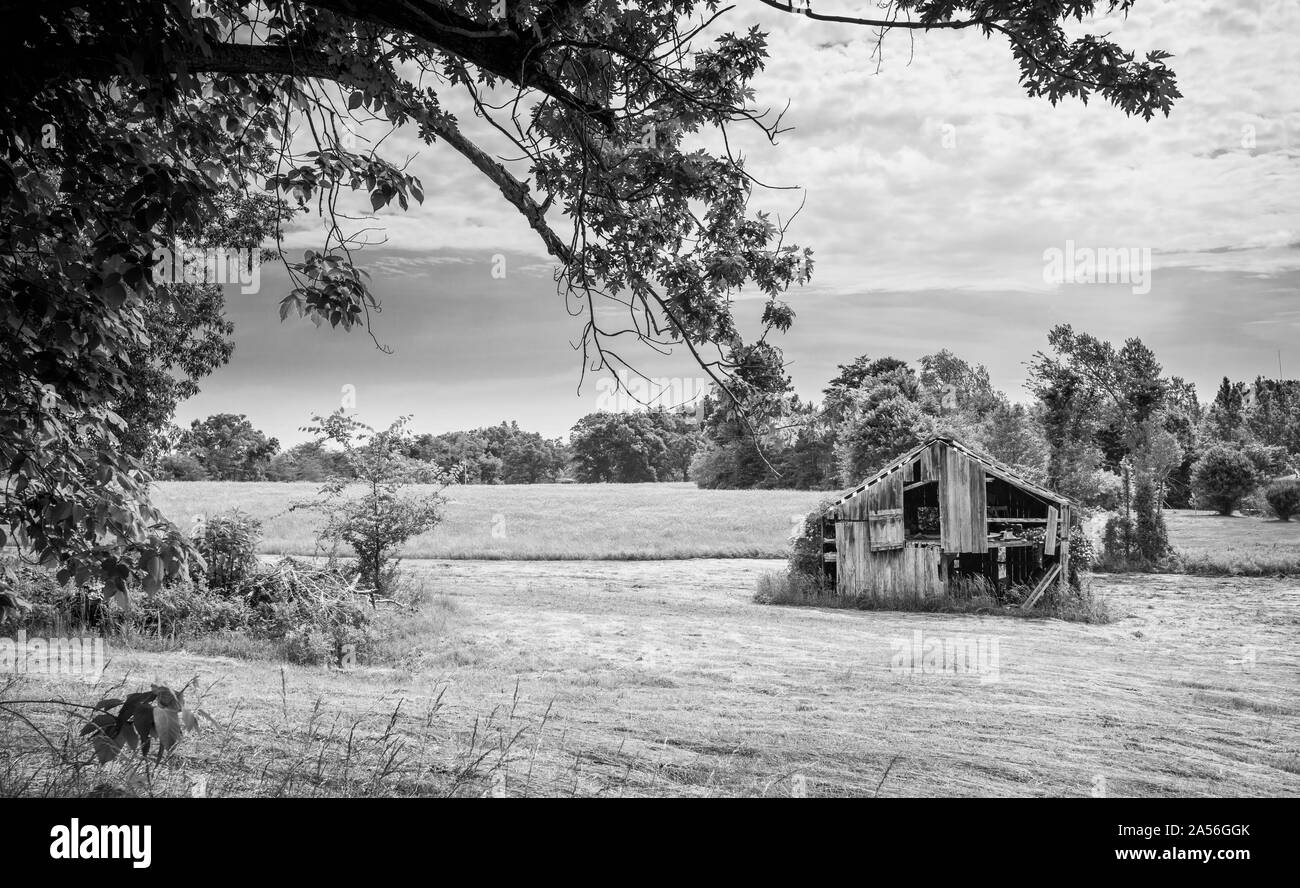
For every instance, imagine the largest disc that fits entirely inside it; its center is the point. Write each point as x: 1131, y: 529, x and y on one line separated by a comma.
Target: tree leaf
x: 167, y: 725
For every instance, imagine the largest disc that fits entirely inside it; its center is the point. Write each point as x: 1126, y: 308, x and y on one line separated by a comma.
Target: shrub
x: 1284, y: 498
x: 1150, y: 537
x: 1222, y: 477
x: 228, y: 543
x: 47, y: 604
x: 187, y: 609
x: 180, y: 467
x: 786, y: 587
x: 806, y: 548
x: 1102, y: 490
x: 1083, y: 555
x: 1271, y: 460
x: 387, y: 513
x: 310, y: 609
x: 308, y: 646
x: 1117, y: 537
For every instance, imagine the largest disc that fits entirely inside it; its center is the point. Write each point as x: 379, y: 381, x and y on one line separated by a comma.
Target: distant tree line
x: 227, y: 447
x: 1103, y: 425
x: 655, y: 445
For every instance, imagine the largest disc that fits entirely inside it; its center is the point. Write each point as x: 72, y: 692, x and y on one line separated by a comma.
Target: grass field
x: 542, y: 521
x: 664, y: 678
x: 1212, y: 543
x: 661, y: 521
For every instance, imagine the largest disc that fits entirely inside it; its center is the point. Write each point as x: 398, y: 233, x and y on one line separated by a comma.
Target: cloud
x: 931, y: 186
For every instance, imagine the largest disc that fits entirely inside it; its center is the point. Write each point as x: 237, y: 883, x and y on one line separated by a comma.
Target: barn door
x: 885, y: 517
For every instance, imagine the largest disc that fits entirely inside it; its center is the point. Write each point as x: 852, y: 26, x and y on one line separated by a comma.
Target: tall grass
x: 295, y: 751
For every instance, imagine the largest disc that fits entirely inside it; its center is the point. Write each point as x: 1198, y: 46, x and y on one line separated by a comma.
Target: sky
x: 933, y: 191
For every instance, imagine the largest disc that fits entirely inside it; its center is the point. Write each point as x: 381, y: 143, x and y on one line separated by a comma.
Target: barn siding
x: 875, y: 561
x: 905, y: 574
x: 963, y: 503
x: 929, y: 472
x: 886, y: 511
x: 853, y: 561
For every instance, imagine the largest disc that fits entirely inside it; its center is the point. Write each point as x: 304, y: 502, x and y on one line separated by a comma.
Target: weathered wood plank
x: 1041, y: 587
x: 1049, y: 539
x: 1066, y: 517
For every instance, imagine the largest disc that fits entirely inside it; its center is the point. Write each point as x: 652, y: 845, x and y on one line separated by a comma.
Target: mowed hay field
x: 664, y: 678
x: 544, y: 521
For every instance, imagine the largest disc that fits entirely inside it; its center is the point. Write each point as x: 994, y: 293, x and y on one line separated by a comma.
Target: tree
x: 187, y: 335
x: 886, y: 419
x: 1013, y: 434
x: 1274, y: 416
x: 145, y: 96
x: 387, y: 512
x: 620, y: 448
x: 1226, y: 417
x: 502, y: 453
x: 853, y: 379
x: 180, y: 467
x: 1182, y: 416
x: 1223, y: 477
x: 957, y: 386
x: 1150, y: 537
x: 1284, y: 498
x: 228, y: 447
x: 309, y: 461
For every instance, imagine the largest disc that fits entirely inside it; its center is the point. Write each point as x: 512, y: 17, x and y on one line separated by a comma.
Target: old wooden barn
x: 940, y: 514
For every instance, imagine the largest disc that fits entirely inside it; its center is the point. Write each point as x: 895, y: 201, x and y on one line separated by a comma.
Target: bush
x: 1117, y: 538
x: 180, y: 467
x: 54, y: 606
x: 806, y: 548
x: 1270, y: 460
x: 187, y: 609
x: 1284, y: 498
x: 315, y: 614
x: 1223, y: 477
x: 390, y: 510
x: 1101, y: 490
x: 316, y: 611
x: 1150, y: 537
x: 308, y: 646
x: 1083, y: 555
x: 787, y: 587
x: 228, y: 544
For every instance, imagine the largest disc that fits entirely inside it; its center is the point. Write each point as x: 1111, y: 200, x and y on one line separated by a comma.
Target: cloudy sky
x: 932, y: 188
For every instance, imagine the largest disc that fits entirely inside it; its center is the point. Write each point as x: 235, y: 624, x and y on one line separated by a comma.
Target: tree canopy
x: 124, y: 122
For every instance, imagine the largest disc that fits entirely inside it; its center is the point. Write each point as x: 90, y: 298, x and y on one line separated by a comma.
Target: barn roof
x: 993, y: 466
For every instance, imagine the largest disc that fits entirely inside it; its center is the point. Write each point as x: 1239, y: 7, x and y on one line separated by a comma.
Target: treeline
x: 227, y: 447
x: 655, y: 445
x: 1102, y: 422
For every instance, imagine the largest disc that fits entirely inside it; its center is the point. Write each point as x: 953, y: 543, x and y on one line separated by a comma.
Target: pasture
x: 604, y: 671
x: 535, y: 521
x: 660, y: 521
x: 664, y: 678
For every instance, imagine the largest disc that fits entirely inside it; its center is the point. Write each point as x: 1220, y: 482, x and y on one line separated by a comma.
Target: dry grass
x: 536, y: 521
x: 601, y: 678
x: 967, y: 595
